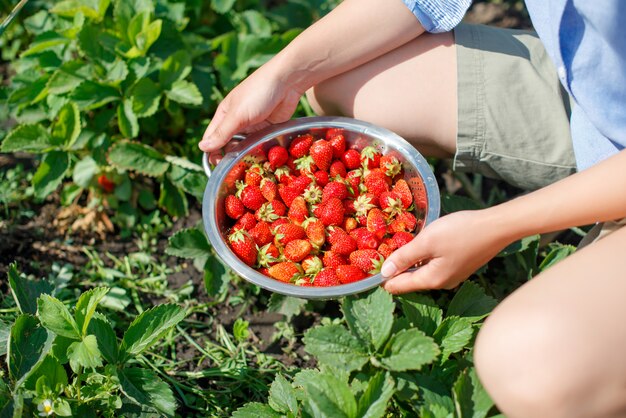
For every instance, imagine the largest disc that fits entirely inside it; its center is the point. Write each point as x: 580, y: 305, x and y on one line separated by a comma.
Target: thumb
x: 405, y: 257
x: 221, y: 129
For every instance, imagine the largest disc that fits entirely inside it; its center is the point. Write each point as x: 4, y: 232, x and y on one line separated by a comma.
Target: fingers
x: 405, y: 257
x: 216, y: 156
x: 410, y: 282
x: 223, y: 126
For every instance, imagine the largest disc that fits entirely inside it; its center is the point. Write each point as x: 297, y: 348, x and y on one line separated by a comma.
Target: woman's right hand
x: 262, y: 99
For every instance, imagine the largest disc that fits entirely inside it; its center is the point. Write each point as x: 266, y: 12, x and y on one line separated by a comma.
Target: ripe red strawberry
x: 376, y: 183
x: 269, y: 189
x: 297, y: 249
x: 338, y: 169
x: 285, y: 233
x: 390, y: 165
x: 370, y: 261
x: 321, y: 178
x: 237, y: 173
x: 344, y: 245
x: 363, y: 204
x: 401, y: 188
x: 322, y: 154
x: 277, y: 156
x: 376, y: 222
x: 315, y: 232
x: 349, y: 274
x: 365, y: 240
x: 332, y: 212
x: 298, y: 211
x: 251, y: 197
x: 246, y: 222
x: 335, y: 189
x: 300, y: 146
x: 403, y: 222
x: 279, y: 207
x: 261, y: 233
x: 313, y: 194
x: 243, y: 246
x: 354, y: 177
x: 391, y: 203
x: 385, y: 250
x: 304, y: 281
x: 326, y: 277
x: 312, y: 264
x: 291, y: 163
x: 234, y: 208
x: 277, y: 222
x: 401, y: 238
x: 253, y: 178
x: 351, y: 159
x: 338, y: 143
x: 300, y: 183
x: 264, y: 270
x: 333, y: 132
x: 285, y: 271
x: 333, y: 260
x: 106, y: 184
x: 305, y: 165
x: 288, y: 193
x: 283, y: 174
x: 268, y: 255
x: 370, y: 158
x: 350, y: 224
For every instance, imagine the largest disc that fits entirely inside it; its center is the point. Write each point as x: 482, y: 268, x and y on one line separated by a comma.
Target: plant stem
x: 12, y: 15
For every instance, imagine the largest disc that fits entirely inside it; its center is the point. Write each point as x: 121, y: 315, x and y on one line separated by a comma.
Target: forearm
x: 355, y: 32
x: 595, y: 195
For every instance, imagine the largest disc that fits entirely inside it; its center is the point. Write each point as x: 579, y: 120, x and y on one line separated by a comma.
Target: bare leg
x: 555, y: 347
x: 411, y: 90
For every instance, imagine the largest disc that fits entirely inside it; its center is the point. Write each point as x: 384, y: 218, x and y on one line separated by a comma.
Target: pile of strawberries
x: 318, y: 214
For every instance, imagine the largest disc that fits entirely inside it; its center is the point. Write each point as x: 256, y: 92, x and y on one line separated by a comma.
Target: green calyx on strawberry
x: 370, y: 261
x: 268, y: 255
x: 362, y: 205
x: 313, y: 194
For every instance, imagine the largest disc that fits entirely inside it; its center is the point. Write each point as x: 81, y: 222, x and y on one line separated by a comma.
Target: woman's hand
x: 449, y: 251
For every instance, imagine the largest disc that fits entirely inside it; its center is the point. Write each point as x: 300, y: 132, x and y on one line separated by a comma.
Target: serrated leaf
x: 184, y: 92
x: 86, y: 307
x: 222, y: 6
x: 84, y: 171
x: 138, y: 157
x: 127, y: 120
x: 373, y: 402
x: 282, y: 396
x: 45, y: 41
x: 184, y: 163
x: 335, y: 346
x: 328, y: 396
x: 188, y: 243
x: 26, y: 291
x: 470, y: 398
x: 144, y: 387
x: 555, y: 255
x: 53, y: 371
x: 191, y: 181
x: 28, y: 344
x: 90, y: 95
x: 370, y: 317
x: 148, y: 328
x: 173, y: 199
x: 145, y: 97
x: 453, y: 334
x: 285, y: 305
x: 422, y: 312
x: 409, y: 350
x: 67, y: 77
x: 55, y: 316
x: 66, y: 128
x: 92, y: 9
x: 255, y: 410
x: 471, y: 301
x: 5, y: 330
x: 216, y: 276
x: 27, y: 138
x: 519, y: 246
x: 107, y: 341
x: 176, y: 67
x: 84, y: 354
x: 50, y: 173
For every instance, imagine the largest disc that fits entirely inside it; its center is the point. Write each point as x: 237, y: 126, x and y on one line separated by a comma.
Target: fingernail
x: 389, y: 269
x: 204, y: 143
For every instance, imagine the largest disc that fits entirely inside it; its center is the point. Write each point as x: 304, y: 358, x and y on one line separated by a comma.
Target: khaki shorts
x: 513, y: 114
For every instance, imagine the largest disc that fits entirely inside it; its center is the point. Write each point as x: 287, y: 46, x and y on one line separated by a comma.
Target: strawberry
x: 376, y: 183
x: 351, y: 159
x: 365, y: 240
x: 277, y: 222
x: 338, y: 143
x: 300, y: 183
x: 234, y: 208
x: 322, y: 154
x: 243, y: 246
x: 277, y: 156
x: 402, y: 238
x: 349, y: 274
x: 321, y: 178
x: 332, y: 259
x: 268, y: 255
x: 333, y: 132
x: 401, y: 188
x: 269, y: 190
x: 354, y: 177
x: 332, y: 212
x: 305, y: 165
x: 385, y: 250
x: 287, y: 193
x: 363, y: 204
x: 304, y: 281
x: 253, y: 178
x: 261, y: 233
x: 279, y: 207
x: 266, y: 213
x: 350, y: 224
x: 370, y: 261
x: 334, y: 232
x: 238, y: 172
x: 338, y: 169
x: 106, y: 184
x: 315, y: 231
x: 376, y: 223
x: 313, y: 194
x: 283, y: 174
x: 285, y: 271
x: 403, y: 222
x: 370, y: 158
x: 300, y: 146
x: 391, y: 203
x: 390, y: 165
x: 264, y: 270
x: 344, y: 245
x: 297, y: 249
x: 335, y: 189
x: 246, y: 222
x: 285, y: 233
x: 252, y: 198
x: 326, y: 277
x: 298, y: 211
x: 312, y: 264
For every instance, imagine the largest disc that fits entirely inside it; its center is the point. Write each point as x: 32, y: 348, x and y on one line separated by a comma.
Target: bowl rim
x: 219, y: 173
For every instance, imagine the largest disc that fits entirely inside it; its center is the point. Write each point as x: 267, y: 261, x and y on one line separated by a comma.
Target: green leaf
x: 44, y: 42
x: 333, y: 345
x: 283, y: 396
x: 5, y: 330
x: 86, y: 306
x: 188, y: 243
x: 52, y: 370
x: 127, y: 120
x: 255, y: 410
x: 55, y: 316
x: 555, y: 255
x: 455, y: 203
x: 216, y: 276
x: 173, y: 199
x: 470, y: 398
x: 66, y: 128
x: 519, y: 246
x: 26, y: 291
x: 409, y: 350
x: 175, y: 68
x: 28, y: 344
x: 84, y: 171
x: 107, y: 341
x: 191, y: 181
x: 373, y: 402
x: 92, y: 9
x: 222, y: 6
x: 328, y: 396
x: 90, y: 95
x: 68, y: 77
x: 84, y: 354
x: 138, y: 157
x: 50, y: 173
x: 144, y: 387
x: 148, y: 327
x: 470, y: 301
x: 27, y: 138
x: 453, y: 334
x: 370, y: 318
x: 145, y: 97
x: 184, y: 92
x: 421, y: 311
x: 285, y: 305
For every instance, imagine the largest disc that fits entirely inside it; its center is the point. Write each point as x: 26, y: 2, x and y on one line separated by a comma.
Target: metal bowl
x: 254, y: 147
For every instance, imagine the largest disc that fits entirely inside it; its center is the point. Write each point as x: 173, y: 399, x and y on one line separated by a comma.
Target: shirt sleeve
x: 438, y: 15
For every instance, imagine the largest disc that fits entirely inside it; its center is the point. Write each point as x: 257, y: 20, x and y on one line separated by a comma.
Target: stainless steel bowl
x: 254, y: 147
